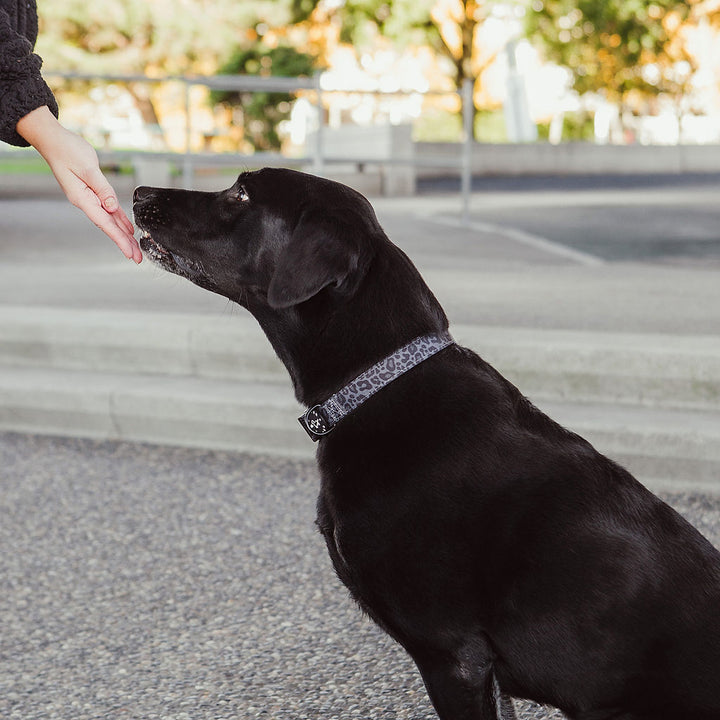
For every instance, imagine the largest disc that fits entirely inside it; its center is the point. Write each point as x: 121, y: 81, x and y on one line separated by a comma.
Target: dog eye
x: 242, y: 195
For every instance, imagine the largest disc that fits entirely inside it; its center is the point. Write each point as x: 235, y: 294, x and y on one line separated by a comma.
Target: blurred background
x: 308, y: 79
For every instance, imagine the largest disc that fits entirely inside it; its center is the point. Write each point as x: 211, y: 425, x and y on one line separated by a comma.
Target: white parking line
x: 526, y: 238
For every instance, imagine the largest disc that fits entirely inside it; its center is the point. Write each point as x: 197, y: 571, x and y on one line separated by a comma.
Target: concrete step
x: 650, y: 401
x: 664, y: 447
x: 648, y: 369
x: 165, y: 409
x: 230, y: 346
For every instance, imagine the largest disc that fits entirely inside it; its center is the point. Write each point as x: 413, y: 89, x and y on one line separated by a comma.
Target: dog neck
x: 326, y: 342
x: 322, y: 418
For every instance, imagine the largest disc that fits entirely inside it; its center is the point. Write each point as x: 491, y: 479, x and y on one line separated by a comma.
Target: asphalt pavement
x: 157, y: 583
x: 656, y: 218
x: 143, y: 581
x: 506, y: 268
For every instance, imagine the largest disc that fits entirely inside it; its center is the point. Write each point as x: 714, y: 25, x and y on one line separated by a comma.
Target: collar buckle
x: 316, y: 423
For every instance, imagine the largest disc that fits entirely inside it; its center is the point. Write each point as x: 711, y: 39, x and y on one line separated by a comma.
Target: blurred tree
x: 450, y: 27
x: 708, y: 10
x: 262, y: 112
x: 404, y: 21
x: 619, y: 48
x: 158, y: 38
x: 455, y: 24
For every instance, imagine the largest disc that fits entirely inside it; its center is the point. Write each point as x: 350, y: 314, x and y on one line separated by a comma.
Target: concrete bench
x: 383, y: 151
x: 153, y: 171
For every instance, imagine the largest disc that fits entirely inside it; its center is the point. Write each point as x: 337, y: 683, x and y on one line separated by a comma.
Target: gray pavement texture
x: 508, y: 268
x: 149, y: 582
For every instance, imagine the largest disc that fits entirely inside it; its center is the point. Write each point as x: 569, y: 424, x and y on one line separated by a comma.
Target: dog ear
x: 322, y: 251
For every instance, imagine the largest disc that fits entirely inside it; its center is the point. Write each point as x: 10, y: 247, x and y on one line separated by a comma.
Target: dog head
x: 277, y: 236
x: 307, y: 257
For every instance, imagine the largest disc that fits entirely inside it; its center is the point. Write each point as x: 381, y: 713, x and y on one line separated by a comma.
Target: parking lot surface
x: 151, y: 582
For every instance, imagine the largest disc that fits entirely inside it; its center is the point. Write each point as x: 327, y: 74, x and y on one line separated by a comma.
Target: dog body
x: 499, y: 549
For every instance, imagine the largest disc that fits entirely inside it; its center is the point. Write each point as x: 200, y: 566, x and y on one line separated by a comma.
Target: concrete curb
x: 648, y: 401
x: 665, y: 448
x: 647, y: 369
x: 137, y: 342
x: 176, y: 410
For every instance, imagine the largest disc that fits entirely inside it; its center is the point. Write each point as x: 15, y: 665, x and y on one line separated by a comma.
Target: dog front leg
x: 462, y: 686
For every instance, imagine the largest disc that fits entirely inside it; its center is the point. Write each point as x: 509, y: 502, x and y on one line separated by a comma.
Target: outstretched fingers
x: 102, y: 207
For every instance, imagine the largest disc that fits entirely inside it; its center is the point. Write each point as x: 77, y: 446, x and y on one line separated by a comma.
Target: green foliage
x: 160, y: 37
x: 443, y: 126
x: 577, y: 127
x: 412, y: 22
x: 403, y: 21
x: 607, y: 44
x: 263, y: 111
x: 174, y: 37
x: 26, y: 163
x: 489, y: 126
x: 438, y: 126
x: 301, y: 9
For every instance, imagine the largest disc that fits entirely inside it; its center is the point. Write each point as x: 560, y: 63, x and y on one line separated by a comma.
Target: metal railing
x: 316, y: 158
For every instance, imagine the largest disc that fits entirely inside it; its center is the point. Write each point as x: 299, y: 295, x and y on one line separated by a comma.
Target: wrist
x: 39, y: 127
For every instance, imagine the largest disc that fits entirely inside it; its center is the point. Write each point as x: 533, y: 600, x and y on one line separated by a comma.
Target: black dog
x: 503, y: 552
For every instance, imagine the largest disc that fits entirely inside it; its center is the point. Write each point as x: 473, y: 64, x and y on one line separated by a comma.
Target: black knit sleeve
x: 22, y: 88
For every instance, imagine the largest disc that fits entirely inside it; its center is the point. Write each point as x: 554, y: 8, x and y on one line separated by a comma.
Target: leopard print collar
x: 321, y: 419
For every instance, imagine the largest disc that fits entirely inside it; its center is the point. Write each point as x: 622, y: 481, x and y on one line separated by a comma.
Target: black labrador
x: 503, y: 552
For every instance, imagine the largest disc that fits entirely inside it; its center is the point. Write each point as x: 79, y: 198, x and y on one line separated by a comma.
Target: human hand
x: 74, y: 163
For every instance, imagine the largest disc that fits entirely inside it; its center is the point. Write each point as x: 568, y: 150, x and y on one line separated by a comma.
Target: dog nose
x: 141, y: 193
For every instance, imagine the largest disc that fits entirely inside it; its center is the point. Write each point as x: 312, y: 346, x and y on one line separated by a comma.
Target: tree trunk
x: 142, y: 95
x: 463, y: 64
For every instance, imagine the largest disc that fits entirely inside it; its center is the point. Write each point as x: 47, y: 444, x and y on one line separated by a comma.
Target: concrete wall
x: 570, y: 158
x: 443, y: 159
x: 375, y: 155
